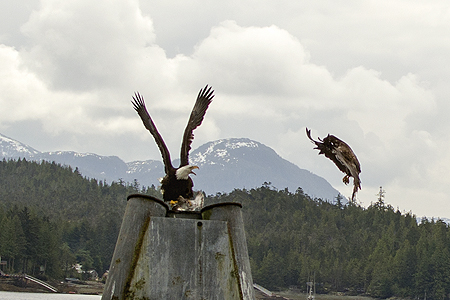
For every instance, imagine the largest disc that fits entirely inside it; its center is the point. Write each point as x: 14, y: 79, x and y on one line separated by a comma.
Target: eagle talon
x: 346, y: 179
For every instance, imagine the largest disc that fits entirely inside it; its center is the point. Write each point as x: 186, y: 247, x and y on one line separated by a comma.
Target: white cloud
x: 21, y: 90
x: 363, y: 71
x: 84, y: 45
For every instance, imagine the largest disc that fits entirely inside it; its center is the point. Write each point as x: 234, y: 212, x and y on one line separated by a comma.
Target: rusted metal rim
x: 147, y: 197
x: 220, y: 204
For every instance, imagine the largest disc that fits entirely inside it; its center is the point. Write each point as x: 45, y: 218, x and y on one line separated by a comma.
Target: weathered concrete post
x: 180, y: 255
x: 232, y: 214
x: 140, y: 209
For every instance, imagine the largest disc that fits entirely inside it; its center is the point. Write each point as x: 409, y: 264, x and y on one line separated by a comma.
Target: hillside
x: 51, y: 216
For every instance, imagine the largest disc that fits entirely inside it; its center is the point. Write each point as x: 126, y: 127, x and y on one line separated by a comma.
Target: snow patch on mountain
x: 14, y: 149
x: 219, y: 152
x: 136, y: 167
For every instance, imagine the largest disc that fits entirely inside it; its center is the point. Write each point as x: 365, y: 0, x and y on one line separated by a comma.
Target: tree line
x: 377, y: 250
x: 51, y: 218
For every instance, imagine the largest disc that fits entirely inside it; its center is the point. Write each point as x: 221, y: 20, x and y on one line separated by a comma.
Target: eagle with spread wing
x: 342, y: 156
x: 177, y: 183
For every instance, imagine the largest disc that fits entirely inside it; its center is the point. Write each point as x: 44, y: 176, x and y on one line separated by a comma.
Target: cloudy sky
x: 374, y: 73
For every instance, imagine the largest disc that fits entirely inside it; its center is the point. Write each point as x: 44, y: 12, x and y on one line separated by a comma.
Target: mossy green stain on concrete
x: 137, y: 251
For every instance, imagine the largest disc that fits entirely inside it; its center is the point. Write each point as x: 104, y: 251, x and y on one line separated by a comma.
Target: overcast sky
x: 374, y: 73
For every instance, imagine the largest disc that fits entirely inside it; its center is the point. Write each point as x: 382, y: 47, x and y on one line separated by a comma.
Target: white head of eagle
x: 184, y: 172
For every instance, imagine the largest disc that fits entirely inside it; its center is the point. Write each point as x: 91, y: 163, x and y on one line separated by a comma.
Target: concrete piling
x: 139, y: 210
x: 180, y: 255
x: 231, y: 213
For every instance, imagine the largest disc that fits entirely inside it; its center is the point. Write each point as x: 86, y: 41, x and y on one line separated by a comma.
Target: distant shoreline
x: 96, y: 288
x: 90, y: 288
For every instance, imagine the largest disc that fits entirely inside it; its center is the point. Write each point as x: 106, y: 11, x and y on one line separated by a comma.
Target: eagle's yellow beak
x: 194, y: 167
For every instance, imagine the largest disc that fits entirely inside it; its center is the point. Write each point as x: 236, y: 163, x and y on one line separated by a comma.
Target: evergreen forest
x: 52, y: 218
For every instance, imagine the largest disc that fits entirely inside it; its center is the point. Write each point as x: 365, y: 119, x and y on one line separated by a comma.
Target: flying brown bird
x: 177, y: 183
x: 342, y: 156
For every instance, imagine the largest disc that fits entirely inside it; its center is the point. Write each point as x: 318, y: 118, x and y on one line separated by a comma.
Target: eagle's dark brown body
x: 342, y: 156
x: 177, y: 183
x: 173, y: 188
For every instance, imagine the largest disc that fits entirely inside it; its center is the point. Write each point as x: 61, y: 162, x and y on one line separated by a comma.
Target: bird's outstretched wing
x: 204, y: 98
x: 139, y: 106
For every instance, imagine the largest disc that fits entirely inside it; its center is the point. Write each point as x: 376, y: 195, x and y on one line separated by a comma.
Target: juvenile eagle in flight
x: 342, y: 156
x: 177, y: 183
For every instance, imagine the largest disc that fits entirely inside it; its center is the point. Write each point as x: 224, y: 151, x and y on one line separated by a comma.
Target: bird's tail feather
x: 356, y: 186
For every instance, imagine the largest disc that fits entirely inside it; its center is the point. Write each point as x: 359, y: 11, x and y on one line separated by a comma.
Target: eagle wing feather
x: 139, y: 106
x: 204, y: 98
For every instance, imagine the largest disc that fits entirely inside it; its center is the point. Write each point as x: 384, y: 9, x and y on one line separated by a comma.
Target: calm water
x: 45, y: 296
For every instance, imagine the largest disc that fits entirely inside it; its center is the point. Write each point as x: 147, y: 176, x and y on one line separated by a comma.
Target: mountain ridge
x: 225, y: 165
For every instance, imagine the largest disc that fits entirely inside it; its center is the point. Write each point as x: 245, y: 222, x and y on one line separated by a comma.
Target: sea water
x: 45, y: 296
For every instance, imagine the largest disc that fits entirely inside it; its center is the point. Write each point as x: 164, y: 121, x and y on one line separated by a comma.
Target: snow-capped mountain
x: 91, y: 165
x: 242, y: 163
x: 10, y: 148
x: 224, y: 165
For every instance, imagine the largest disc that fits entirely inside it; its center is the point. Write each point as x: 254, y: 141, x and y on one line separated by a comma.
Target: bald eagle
x: 177, y: 183
x: 342, y: 156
